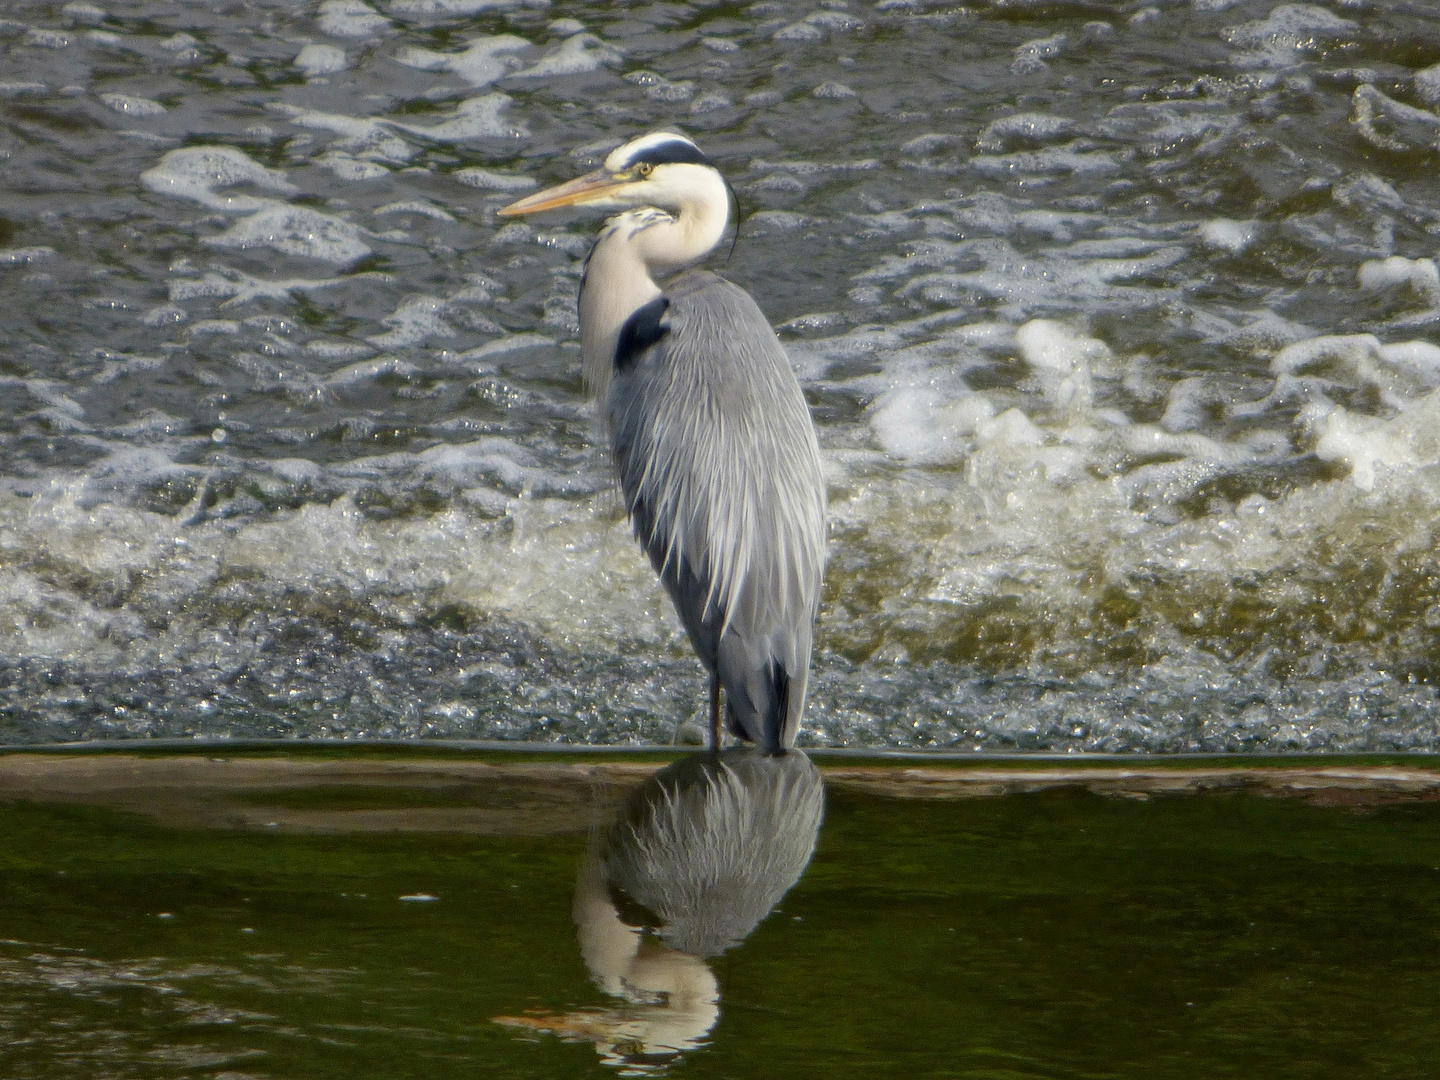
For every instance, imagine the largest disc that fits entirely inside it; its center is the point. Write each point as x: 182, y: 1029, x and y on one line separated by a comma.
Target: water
x: 1118, y: 322
x: 1052, y: 934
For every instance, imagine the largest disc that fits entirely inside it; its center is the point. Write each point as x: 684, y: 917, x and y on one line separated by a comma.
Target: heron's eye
x: 645, y: 169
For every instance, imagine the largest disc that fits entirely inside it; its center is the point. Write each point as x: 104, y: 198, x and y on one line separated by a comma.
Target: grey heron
x: 712, y: 438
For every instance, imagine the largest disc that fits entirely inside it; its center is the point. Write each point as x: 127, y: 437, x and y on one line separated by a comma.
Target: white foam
x: 1223, y: 234
x: 1369, y: 445
x: 351, y: 19
x: 349, y: 169
x: 337, y: 350
x: 133, y: 106
x: 1030, y: 57
x: 361, y: 136
x: 924, y: 426
x: 500, y: 347
x: 47, y: 39
x: 165, y: 315
x: 369, y: 370
x: 1061, y: 359
x: 196, y: 172
x: 1419, y: 359
x: 227, y: 327
x: 835, y: 91
x: 414, y: 206
x: 487, y: 180
x: 482, y: 62
x: 575, y: 56
x: 315, y: 60
x: 816, y: 25
x: 1393, y: 125
x: 1076, y: 158
x: 1420, y: 274
x: 297, y: 231
x: 417, y: 319
x: 1282, y: 39
x: 475, y: 118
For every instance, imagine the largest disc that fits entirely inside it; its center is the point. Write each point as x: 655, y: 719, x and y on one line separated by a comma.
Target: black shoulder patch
x: 641, y: 330
x: 675, y: 152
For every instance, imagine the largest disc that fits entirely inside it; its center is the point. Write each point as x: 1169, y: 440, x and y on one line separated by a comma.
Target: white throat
x: 633, y: 248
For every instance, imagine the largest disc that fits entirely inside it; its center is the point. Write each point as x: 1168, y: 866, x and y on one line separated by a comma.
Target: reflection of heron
x: 697, y: 857
x: 712, y: 437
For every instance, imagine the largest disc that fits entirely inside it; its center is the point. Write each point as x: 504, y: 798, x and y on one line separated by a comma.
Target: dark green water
x: 1052, y: 935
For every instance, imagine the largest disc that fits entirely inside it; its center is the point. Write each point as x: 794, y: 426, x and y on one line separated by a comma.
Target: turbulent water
x: 1118, y: 321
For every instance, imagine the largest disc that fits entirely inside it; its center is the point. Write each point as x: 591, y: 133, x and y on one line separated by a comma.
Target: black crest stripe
x: 674, y: 152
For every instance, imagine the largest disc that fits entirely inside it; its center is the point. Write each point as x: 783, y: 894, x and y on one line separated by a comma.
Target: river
x: 1118, y: 322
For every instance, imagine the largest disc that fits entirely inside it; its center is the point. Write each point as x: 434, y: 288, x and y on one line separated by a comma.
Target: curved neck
x: 633, y: 248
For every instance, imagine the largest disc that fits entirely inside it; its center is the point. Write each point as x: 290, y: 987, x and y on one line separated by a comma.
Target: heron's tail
x: 758, y: 706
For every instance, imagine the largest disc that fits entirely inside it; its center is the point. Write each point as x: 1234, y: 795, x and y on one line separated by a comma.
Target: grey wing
x: 721, y: 472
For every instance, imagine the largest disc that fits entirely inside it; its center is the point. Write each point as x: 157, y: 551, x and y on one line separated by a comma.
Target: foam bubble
x: 475, y: 118
x: 351, y: 18
x: 414, y: 206
x: 924, y: 426
x: 417, y: 319
x: 1077, y: 158
x: 1061, y: 359
x: 1371, y: 446
x: 1030, y: 57
x: 298, y: 231
x: 315, y: 60
x: 1392, y: 125
x: 47, y: 39
x: 361, y: 136
x: 487, y: 180
x: 1419, y: 359
x: 484, y: 354
x: 133, y: 106
x: 575, y: 56
x: 350, y: 169
x: 1285, y: 35
x: 1420, y: 274
x: 196, y: 172
x: 481, y: 62
x: 1224, y: 234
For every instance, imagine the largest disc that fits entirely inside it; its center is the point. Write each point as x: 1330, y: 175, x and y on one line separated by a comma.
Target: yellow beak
x: 580, y: 191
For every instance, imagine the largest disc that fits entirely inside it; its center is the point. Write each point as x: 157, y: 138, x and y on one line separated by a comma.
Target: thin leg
x: 715, y: 712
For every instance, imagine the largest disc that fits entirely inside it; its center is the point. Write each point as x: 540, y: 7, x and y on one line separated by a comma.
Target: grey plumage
x: 721, y: 473
x: 716, y: 453
x: 709, y: 845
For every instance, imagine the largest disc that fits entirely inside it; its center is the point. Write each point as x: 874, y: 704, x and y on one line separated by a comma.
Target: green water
x: 1051, y: 935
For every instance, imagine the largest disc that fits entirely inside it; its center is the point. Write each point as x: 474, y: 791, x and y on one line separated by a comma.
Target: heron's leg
x: 715, y: 712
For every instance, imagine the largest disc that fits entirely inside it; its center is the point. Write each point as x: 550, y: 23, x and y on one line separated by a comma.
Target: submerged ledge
x: 540, y: 790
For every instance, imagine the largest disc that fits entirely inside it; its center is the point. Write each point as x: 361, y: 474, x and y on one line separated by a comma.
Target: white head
x: 664, y: 170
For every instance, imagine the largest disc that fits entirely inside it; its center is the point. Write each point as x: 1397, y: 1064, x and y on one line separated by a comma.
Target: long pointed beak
x: 580, y: 190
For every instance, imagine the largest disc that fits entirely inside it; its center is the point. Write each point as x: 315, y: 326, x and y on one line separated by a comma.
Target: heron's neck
x: 633, y: 249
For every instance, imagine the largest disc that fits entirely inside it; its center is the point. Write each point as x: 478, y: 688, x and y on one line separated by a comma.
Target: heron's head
x: 662, y: 169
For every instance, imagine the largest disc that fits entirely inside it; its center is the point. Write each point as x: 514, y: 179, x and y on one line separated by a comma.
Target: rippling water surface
x: 1118, y: 321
